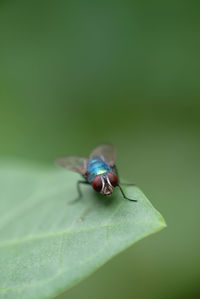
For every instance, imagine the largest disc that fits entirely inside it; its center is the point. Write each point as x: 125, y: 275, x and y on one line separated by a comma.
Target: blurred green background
x: 74, y: 74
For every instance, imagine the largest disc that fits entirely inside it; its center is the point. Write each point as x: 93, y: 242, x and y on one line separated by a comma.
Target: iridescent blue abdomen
x: 96, y: 167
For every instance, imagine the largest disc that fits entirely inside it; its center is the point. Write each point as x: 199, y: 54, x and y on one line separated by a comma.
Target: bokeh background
x: 74, y: 74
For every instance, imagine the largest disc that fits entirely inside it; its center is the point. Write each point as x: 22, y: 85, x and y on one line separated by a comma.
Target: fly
x: 99, y: 170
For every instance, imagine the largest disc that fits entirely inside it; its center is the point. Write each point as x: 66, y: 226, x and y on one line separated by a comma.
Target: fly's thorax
x: 97, y: 167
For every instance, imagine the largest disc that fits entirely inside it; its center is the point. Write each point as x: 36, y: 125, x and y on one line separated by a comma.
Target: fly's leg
x: 79, y: 189
x: 80, y: 194
x: 124, y: 196
x: 125, y: 184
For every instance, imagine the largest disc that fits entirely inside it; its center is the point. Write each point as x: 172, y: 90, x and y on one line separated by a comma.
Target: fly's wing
x: 77, y: 164
x: 106, y: 151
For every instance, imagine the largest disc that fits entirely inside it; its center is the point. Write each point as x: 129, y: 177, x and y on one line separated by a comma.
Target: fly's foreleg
x: 120, y: 188
x: 124, y: 196
x: 80, y: 194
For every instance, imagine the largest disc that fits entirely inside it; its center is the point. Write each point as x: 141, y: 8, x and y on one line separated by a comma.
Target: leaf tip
x: 162, y: 222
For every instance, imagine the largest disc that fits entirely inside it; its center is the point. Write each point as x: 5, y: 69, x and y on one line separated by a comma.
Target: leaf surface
x: 48, y: 243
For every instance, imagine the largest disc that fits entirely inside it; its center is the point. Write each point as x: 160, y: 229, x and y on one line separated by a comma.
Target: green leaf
x: 45, y: 248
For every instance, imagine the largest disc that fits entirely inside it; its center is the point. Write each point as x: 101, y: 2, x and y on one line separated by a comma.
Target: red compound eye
x: 113, y: 179
x: 97, y: 183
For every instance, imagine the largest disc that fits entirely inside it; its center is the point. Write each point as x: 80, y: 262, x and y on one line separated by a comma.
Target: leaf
x: 44, y: 247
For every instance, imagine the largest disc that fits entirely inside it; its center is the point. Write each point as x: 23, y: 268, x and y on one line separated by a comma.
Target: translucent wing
x: 106, y: 151
x: 77, y: 164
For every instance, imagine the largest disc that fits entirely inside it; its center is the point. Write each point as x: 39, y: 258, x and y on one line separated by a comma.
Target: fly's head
x: 105, y: 183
